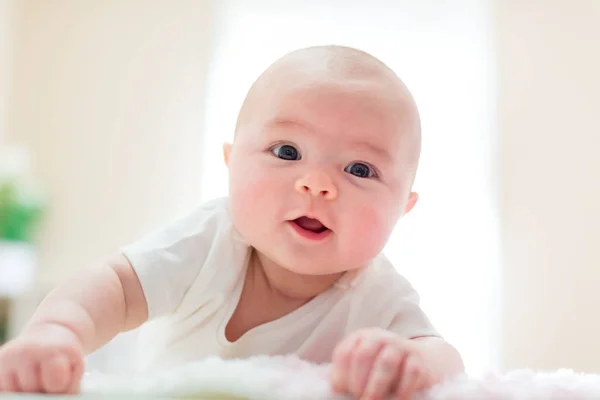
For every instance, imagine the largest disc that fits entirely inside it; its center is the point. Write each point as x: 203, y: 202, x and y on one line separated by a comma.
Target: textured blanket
x: 288, y: 378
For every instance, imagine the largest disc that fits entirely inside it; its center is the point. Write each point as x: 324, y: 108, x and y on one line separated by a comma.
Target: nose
x: 317, y: 183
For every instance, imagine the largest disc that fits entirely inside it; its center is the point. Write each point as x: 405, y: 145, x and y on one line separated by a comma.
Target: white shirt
x: 192, y: 274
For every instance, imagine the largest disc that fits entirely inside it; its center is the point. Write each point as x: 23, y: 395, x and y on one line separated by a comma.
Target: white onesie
x: 192, y: 273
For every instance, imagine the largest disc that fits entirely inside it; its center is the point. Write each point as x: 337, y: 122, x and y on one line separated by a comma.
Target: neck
x: 289, y: 284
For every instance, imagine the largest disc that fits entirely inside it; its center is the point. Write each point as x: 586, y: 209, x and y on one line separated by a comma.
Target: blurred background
x: 113, y: 113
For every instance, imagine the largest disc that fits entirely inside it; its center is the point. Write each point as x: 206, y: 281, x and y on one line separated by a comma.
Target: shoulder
x: 203, y: 223
x: 211, y: 216
x: 381, y: 280
x: 169, y: 260
x: 379, y: 292
x: 391, y: 301
x: 186, y: 242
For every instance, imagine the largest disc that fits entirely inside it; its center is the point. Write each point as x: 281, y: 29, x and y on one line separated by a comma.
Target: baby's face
x: 321, y: 172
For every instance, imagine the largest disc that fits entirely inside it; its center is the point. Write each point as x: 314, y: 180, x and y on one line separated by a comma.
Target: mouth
x: 310, y: 228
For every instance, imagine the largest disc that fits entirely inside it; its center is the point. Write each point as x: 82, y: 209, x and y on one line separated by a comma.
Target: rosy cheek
x: 257, y: 190
x: 254, y: 184
x: 369, y: 231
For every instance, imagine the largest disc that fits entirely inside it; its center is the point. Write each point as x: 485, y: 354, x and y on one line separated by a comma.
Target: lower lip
x: 310, y: 235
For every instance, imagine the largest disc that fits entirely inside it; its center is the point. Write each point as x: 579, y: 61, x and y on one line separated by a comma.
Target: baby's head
x: 325, y: 153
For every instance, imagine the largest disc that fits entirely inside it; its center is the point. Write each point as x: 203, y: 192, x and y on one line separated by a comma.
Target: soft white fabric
x: 192, y: 274
x: 288, y: 378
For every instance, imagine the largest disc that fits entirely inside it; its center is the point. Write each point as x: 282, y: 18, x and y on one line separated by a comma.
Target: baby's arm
x: 75, y: 319
x: 406, y: 357
x: 96, y: 305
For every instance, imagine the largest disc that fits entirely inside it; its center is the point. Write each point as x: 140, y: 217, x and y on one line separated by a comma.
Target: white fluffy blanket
x: 288, y: 378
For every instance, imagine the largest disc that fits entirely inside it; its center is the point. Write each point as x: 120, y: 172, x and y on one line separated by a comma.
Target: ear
x: 226, y: 153
x: 412, y: 200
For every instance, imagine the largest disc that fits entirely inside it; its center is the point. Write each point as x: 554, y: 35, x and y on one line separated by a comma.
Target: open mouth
x: 310, y: 228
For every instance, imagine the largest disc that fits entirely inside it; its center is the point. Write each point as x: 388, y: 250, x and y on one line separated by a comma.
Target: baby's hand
x: 374, y: 363
x: 49, y: 360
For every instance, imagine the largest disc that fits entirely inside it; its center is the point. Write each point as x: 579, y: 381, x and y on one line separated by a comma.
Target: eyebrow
x: 379, y: 151
x: 289, y: 122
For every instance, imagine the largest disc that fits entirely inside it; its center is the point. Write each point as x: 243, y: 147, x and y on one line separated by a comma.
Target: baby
x: 326, y: 149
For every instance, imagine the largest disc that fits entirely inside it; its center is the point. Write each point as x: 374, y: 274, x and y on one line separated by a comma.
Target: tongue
x: 310, y: 224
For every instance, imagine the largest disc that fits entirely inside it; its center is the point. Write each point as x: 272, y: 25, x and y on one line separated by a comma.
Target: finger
x: 8, y: 383
x: 342, y: 357
x: 55, y: 374
x: 363, y: 357
x: 77, y: 370
x: 384, y: 374
x: 410, y: 378
x: 3, y: 377
x: 410, y: 389
x: 27, y: 377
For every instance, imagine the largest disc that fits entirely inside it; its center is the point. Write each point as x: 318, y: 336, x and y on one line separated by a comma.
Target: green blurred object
x: 3, y: 329
x: 21, y: 209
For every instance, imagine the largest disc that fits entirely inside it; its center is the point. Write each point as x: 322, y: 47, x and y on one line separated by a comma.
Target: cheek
x: 252, y: 184
x: 369, y: 229
x: 253, y: 196
x: 368, y: 233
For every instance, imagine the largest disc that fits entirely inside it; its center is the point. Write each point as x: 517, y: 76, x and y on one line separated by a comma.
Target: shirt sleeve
x: 399, y: 302
x: 409, y: 320
x: 167, y: 261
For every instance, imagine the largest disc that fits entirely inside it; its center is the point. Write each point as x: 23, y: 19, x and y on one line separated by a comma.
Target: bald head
x: 331, y: 62
x: 348, y: 69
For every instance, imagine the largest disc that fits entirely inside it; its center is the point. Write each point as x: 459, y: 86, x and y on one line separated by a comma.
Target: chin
x: 312, y: 268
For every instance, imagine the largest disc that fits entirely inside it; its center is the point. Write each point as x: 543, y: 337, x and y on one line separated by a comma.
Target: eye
x: 360, y: 170
x: 286, y: 152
